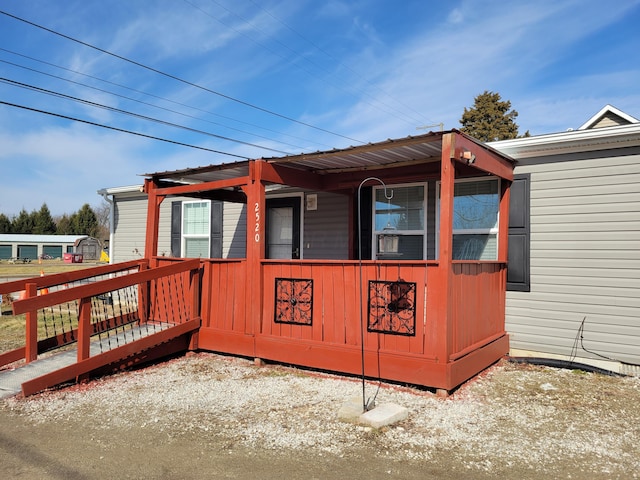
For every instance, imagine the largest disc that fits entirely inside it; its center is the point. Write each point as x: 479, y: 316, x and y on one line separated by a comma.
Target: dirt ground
x: 206, y: 416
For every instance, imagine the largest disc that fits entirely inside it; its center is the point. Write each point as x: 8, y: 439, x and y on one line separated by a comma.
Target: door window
x: 283, y: 228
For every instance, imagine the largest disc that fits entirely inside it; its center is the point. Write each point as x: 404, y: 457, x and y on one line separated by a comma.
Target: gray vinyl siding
x: 585, y: 258
x: 326, y: 230
x: 130, y: 228
x: 234, y: 230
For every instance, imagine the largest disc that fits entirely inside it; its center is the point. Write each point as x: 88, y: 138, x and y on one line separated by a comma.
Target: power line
x: 340, y: 63
x: 76, y: 72
x: 137, y: 115
x: 66, y: 117
x: 178, y: 79
x: 139, y: 101
x: 388, y: 110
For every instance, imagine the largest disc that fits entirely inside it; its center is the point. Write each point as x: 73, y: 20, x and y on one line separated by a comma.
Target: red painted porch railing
x: 332, y: 339
x: 167, y: 295
x: 478, y: 304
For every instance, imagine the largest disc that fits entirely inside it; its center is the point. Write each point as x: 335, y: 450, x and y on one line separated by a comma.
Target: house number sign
x: 256, y: 208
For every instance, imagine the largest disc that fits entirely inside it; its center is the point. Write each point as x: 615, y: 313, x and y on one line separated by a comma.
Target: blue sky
x: 283, y: 76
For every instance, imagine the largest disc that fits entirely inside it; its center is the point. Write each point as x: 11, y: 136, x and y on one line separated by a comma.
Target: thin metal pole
x: 364, y: 397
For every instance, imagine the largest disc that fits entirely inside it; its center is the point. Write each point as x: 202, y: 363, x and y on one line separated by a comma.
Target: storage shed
x: 25, y: 247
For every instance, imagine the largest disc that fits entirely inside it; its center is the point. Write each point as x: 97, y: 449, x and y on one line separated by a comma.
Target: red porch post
x: 153, y: 219
x: 31, y: 317
x: 254, y: 289
x: 441, y: 304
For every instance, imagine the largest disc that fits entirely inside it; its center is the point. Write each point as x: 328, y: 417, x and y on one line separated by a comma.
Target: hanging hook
x: 365, y: 403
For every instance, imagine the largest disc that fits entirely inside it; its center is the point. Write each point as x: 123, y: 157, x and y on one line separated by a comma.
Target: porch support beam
x: 293, y: 177
x: 204, y: 186
x: 153, y: 219
x: 389, y: 173
x: 441, y: 302
x: 485, y: 159
x: 233, y: 196
x: 256, y: 214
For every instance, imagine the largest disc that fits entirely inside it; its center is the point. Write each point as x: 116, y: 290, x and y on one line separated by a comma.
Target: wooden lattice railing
x: 108, y: 307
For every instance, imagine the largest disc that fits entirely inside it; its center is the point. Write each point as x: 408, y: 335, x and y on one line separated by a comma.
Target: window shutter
x: 176, y: 228
x: 216, y: 229
x: 518, y: 275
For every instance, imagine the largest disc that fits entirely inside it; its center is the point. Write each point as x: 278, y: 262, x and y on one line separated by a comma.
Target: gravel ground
x: 206, y: 415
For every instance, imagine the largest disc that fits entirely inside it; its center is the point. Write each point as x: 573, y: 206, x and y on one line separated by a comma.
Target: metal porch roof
x: 392, y: 152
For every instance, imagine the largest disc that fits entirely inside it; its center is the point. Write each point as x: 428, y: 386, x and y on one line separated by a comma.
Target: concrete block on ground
x: 351, y: 410
x: 383, y: 415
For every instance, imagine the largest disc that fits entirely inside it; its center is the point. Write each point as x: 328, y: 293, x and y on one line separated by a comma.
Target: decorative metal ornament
x: 294, y: 301
x: 392, y: 308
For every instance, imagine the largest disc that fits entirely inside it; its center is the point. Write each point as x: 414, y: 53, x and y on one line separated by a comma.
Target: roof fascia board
x: 607, y: 108
x: 570, y: 142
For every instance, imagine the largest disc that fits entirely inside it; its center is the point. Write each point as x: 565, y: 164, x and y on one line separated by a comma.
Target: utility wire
x: 137, y: 115
x: 178, y: 79
x: 76, y: 72
x: 388, y: 110
x: 341, y: 64
x: 66, y: 117
x: 142, y: 102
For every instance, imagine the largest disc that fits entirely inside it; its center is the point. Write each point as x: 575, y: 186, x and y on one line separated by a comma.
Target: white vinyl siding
x: 130, y: 228
x: 234, y: 230
x: 585, y: 259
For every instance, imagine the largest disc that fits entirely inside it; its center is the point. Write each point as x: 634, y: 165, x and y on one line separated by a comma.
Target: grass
x: 13, y: 329
x: 36, y: 267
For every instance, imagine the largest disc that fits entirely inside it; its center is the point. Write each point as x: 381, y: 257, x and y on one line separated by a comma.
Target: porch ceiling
x: 389, y: 153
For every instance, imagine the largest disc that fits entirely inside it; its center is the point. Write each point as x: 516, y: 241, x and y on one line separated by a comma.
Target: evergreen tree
x: 85, y: 222
x: 490, y: 119
x: 23, y: 223
x: 5, y: 224
x: 43, y: 223
x: 64, y: 225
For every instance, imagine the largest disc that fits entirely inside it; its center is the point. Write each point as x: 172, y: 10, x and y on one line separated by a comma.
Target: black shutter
x: 176, y: 228
x: 216, y: 229
x: 518, y: 276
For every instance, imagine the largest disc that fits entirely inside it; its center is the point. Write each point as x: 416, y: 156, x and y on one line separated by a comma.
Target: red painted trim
x: 203, y: 187
x: 97, y: 288
x: 31, y: 340
x: 12, y: 356
x: 485, y: 160
x: 52, y: 280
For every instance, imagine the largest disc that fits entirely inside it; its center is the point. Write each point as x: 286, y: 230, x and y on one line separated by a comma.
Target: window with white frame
x: 400, y: 222
x: 476, y: 204
x: 195, y: 229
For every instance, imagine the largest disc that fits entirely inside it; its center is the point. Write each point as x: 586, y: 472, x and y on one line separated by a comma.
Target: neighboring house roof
x: 28, y: 238
x: 608, y: 116
x: 121, y: 190
x: 572, y: 141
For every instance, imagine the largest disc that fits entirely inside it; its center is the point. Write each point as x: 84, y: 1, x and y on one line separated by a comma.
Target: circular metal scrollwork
x: 392, y: 307
x: 294, y: 301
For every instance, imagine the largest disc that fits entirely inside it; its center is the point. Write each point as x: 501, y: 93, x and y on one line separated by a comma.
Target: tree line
x: 86, y: 221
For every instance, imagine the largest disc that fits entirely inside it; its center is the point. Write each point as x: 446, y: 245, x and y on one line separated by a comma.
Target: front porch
x: 434, y: 322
